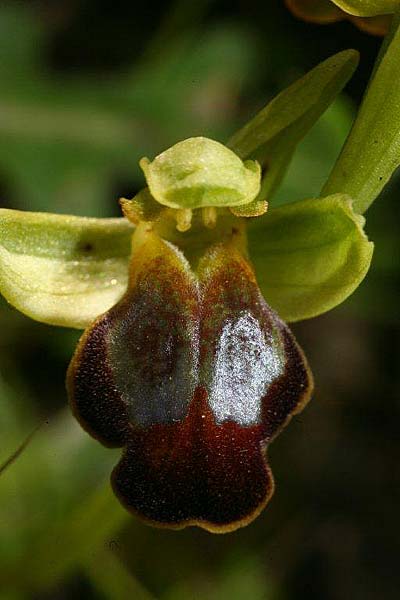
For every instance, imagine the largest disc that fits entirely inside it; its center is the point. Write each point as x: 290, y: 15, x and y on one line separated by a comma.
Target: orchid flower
x: 186, y: 361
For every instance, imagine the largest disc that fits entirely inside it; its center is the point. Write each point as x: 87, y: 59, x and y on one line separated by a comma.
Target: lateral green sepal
x: 309, y: 256
x: 60, y: 269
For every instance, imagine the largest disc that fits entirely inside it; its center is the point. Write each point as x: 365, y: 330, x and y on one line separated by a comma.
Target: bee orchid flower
x: 193, y: 374
x: 186, y: 362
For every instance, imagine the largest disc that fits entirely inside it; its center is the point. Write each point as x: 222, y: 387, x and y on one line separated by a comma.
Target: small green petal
x: 309, y: 256
x: 60, y: 269
x: 368, y: 8
x: 142, y: 207
x: 200, y: 172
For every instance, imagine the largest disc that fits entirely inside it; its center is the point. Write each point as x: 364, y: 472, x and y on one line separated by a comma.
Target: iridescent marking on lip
x: 247, y: 362
x: 154, y: 389
x: 153, y: 341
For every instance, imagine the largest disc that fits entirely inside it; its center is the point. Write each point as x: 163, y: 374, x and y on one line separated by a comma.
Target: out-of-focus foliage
x: 86, y: 90
x: 64, y: 139
x: 53, y: 513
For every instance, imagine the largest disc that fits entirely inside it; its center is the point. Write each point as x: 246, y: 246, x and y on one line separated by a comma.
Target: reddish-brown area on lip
x: 195, y: 472
x: 184, y: 463
x: 95, y: 402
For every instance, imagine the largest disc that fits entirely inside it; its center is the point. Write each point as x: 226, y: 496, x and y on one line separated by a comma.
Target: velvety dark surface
x: 194, y: 375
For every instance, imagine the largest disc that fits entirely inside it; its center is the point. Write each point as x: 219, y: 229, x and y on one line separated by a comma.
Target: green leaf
x: 272, y: 136
x: 368, y: 8
x: 372, y: 151
x: 309, y: 255
x: 60, y: 269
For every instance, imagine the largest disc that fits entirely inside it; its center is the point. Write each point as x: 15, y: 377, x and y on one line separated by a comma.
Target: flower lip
x: 193, y: 374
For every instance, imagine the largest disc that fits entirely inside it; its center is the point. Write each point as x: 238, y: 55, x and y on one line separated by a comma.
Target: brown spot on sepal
x: 194, y: 375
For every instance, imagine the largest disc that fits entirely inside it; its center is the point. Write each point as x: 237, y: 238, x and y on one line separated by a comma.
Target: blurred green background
x: 87, y: 87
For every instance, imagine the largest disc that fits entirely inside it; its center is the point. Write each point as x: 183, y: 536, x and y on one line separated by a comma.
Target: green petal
x: 272, y: 136
x: 60, y: 269
x: 200, y: 172
x: 372, y: 151
x: 309, y: 255
x: 368, y: 8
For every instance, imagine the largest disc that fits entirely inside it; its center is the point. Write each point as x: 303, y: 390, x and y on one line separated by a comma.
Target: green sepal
x: 372, y: 151
x: 60, y: 269
x: 199, y: 172
x: 368, y: 8
x: 272, y: 135
x: 310, y: 255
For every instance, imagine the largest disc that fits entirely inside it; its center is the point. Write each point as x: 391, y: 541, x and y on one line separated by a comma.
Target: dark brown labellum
x: 193, y: 374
